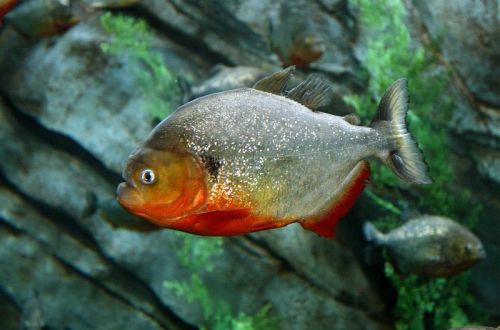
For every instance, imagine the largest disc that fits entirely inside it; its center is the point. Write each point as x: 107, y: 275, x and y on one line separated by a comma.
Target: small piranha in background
x: 258, y: 158
x: 296, y: 36
x: 41, y: 18
x: 429, y: 245
x: 304, y: 49
x: 225, y: 78
x: 32, y: 317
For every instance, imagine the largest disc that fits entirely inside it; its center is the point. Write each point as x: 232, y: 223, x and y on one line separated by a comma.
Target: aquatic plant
x: 390, y: 54
x: 196, y: 255
x: 132, y: 37
x: 424, y: 303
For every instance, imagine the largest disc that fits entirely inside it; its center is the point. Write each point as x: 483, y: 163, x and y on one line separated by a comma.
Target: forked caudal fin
x: 372, y: 234
x: 404, y: 156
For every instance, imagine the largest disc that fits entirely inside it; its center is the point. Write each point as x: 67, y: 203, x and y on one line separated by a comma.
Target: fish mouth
x: 481, y: 254
x: 128, y: 197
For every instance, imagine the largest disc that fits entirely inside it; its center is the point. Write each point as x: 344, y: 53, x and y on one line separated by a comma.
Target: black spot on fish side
x: 212, y: 165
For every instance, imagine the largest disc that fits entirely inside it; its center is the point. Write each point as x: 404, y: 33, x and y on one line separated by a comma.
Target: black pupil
x: 147, y: 176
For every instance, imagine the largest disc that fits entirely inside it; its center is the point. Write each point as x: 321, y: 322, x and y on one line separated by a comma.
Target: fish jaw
x: 129, y: 198
x: 166, y: 215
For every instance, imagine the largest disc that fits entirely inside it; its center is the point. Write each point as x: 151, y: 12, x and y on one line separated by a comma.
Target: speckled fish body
x: 275, y: 156
x: 253, y: 160
x: 430, y: 245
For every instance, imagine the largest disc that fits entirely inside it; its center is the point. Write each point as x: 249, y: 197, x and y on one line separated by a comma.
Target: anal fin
x: 325, y: 224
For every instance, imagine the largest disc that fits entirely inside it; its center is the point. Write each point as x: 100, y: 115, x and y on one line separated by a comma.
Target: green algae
x: 133, y: 39
x: 196, y: 255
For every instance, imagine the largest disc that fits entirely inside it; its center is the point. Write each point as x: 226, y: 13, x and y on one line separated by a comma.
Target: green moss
x: 196, y: 255
x: 389, y: 55
x: 133, y: 39
x: 425, y: 303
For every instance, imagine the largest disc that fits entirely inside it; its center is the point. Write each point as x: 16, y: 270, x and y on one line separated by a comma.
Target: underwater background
x: 79, y: 91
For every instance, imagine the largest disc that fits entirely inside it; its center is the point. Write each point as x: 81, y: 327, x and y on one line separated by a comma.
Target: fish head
x: 305, y: 49
x: 162, y: 185
x: 465, y: 251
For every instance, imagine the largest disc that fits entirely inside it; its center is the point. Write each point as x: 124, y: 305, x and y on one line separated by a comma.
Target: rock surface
x: 465, y: 33
x: 69, y: 117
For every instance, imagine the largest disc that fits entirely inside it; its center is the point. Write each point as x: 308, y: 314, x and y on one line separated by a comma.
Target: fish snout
x: 128, y: 196
x: 119, y: 190
x: 481, y: 253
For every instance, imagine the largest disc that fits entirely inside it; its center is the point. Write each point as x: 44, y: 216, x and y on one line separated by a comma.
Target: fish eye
x: 468, y: 248
x: 148, y: 176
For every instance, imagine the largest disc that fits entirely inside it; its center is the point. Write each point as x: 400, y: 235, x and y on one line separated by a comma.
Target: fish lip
x: 120, y: 188
x: 481, y: 254
x: 127, y: 196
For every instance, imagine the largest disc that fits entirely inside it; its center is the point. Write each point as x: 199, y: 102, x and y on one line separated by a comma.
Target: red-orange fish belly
x: 223, y: 218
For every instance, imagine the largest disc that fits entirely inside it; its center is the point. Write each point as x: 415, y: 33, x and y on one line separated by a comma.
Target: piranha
x: 41, y: 18
x: 432, y: 246
x: 258, y: 158
x: 297, y: 35
x: 304, y: 49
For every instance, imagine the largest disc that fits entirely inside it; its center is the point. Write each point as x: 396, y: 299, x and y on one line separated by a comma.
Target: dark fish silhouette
x: 429, y: 245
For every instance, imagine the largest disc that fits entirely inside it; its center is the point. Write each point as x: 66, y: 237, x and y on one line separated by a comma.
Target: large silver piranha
x: 258, y: 158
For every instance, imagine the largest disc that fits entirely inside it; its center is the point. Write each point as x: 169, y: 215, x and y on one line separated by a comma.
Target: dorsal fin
x: 313, y: 92
x: 276, y: 82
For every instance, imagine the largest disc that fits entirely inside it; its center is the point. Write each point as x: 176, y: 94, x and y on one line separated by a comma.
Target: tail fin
x: 372, y: 234
x: 404, y: 158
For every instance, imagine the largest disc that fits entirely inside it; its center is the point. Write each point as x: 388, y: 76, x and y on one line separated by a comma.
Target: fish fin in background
x: 314, y: 92
x: 275, y: 83
x: 372, y: 234
x: 405, y: 158
x: 351, y: 188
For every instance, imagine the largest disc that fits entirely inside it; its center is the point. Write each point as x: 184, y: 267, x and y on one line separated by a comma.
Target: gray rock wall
x: 465, y: 35
x: 70, y: 115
